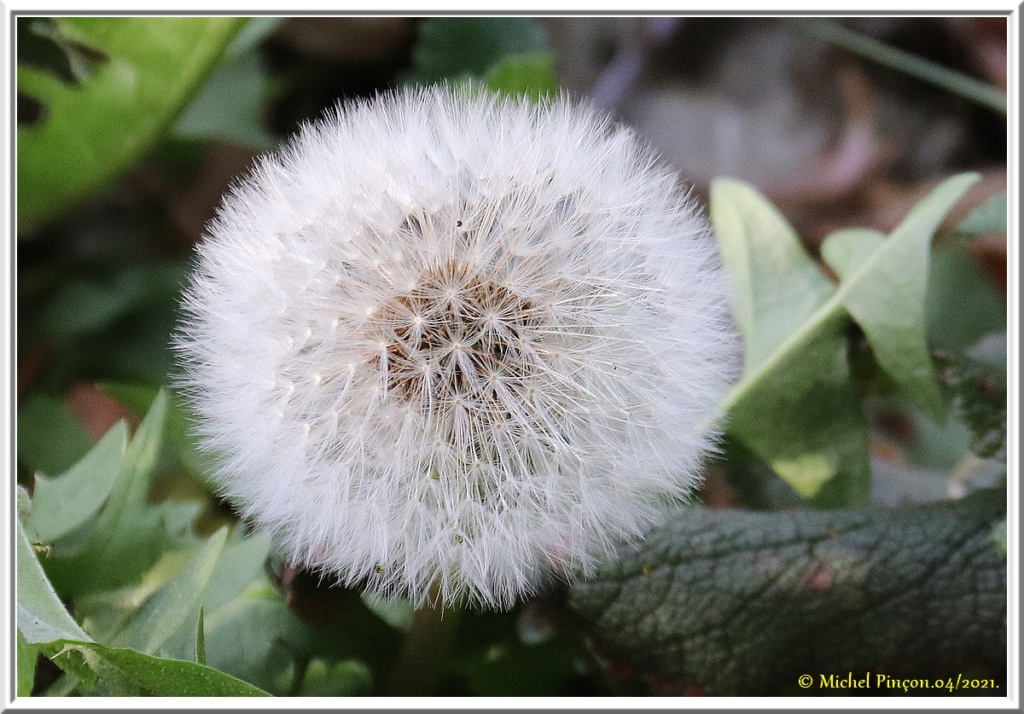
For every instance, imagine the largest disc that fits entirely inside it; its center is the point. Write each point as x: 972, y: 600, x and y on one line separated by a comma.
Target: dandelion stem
x: 925, y: 70
x: 421, y: 660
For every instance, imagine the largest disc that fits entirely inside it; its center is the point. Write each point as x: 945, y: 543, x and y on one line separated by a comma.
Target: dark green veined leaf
x: 725, y: 602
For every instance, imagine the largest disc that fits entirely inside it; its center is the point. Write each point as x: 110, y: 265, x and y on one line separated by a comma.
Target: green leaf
x: 989, y: 217
x: 50, y: 438
x: 230, y: 106
x: 794, y: 406
x: 27, y: 655
x: 978, y: 390
x: 962, y: 305
x: 532, y: 75
x: 200, y: 639
x: 397, y: 612
x: 733, y: 603
x: 173, y: 603
x: 884, y: 285
x: 42, y: 617
x: 93, y: 130
x: 86, y: 305
x: 450, y: 47
x: 241, y: 564
x: 255, y: 31
x: 254, y: 636
x: 139, y: 397
x: 43, y: 620
x: 999, y: 536
x: 128, y: 673
x: 65, y: 502
x: 129, y: 534
x: 777, y: 288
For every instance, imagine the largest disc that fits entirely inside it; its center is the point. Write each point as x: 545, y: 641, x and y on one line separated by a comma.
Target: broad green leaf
x: 42, y: 617
x: 128, y: 673
x: 50, y: 439
x: 450, y: 47
x: 532, y: 75
x: 794, y: 406
x: 63, y: 503
x: 253, y: 637
x: 230, y: 106
x: 129, y: 534
x: 776, y: 287
x: 91, y: 131
x: 107, y: 611
x: 27, y: 655
x: 962, y: 305
x: 174, y: 603
x: 139, y: 397
x: 849, y: 250
x: 726, y: 602
x: 241, y: 564
x: 884, y: 285
x: 258, y: 638
x: 989, y: 217
x: 256, y: 30
x: 43, y: 620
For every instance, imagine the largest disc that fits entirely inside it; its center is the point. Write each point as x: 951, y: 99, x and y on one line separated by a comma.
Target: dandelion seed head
x: 495, y: 334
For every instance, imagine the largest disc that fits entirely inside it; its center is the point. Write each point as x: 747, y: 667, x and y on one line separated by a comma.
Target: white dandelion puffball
x: 449, y: 345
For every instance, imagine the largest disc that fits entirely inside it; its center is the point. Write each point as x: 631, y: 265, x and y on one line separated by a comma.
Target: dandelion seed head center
x: 452, y: 337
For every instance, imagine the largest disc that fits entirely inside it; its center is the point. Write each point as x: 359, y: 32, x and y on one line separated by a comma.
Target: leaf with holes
x: 90, y: 130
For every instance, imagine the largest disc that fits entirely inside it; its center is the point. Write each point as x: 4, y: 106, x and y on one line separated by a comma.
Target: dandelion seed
x: 517, y: 330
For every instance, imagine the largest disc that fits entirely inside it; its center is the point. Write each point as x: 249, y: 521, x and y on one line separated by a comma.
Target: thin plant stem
x: 906, y: 62
x: 421, y: 660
